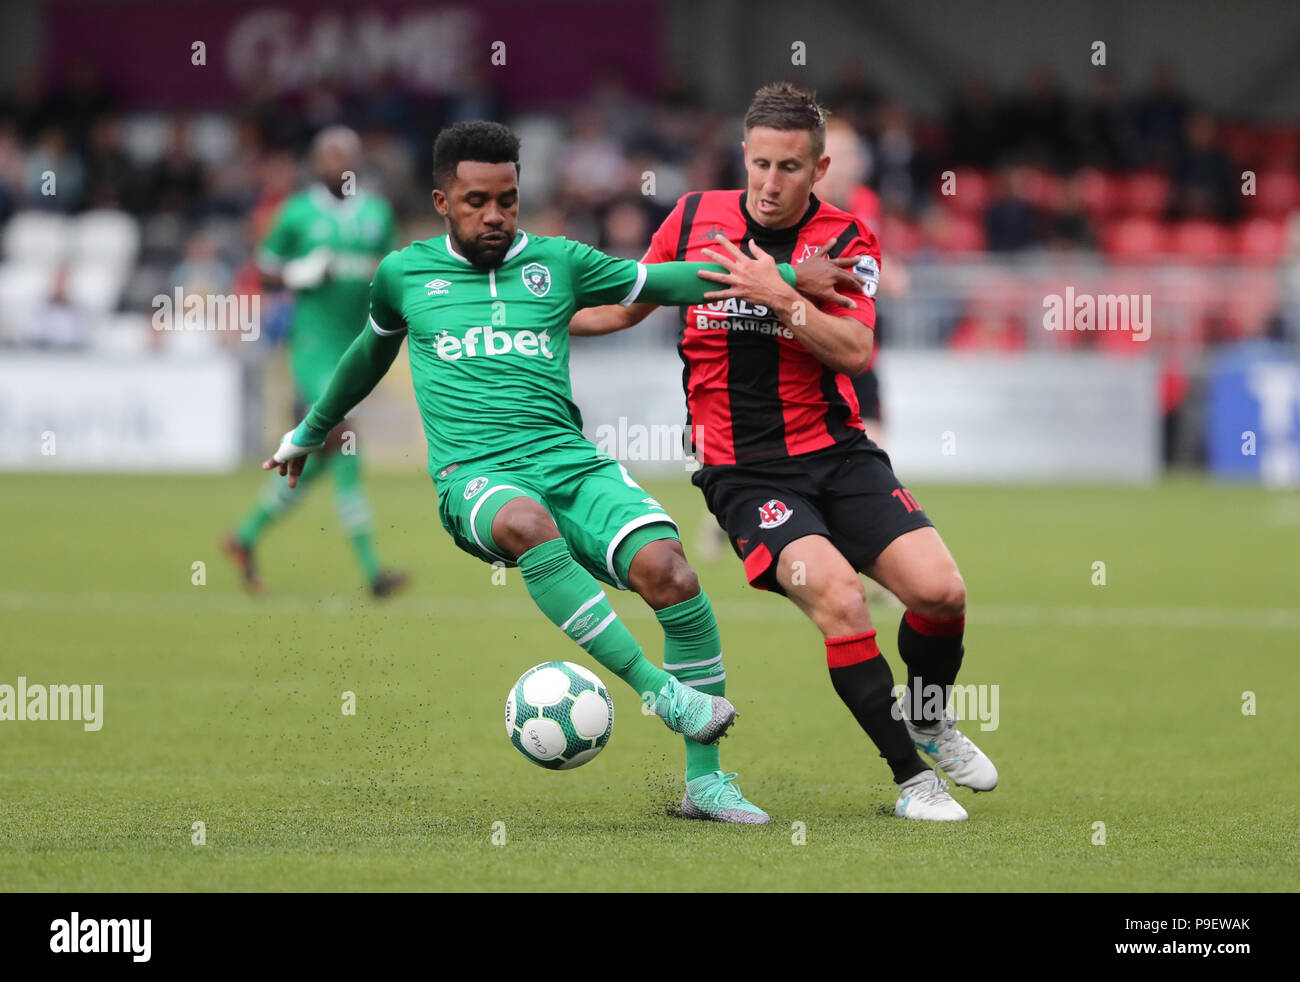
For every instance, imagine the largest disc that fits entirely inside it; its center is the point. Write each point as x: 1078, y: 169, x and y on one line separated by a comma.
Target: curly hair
x: 481, y: 140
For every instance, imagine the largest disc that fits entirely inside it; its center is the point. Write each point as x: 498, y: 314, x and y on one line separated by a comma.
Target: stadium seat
x: 1261, y: 240
x: 1103, y: 193
x: 1200, y: 241
x: 96, y: 287
x: 23, y: 287
x: 106, y: 237
x: 213, y: 138
x: 36, y: 237
x: 1277, y: 193
x: 974, y: 191
x: 1146, y: 194
x: 145, y: 136
x: 1240, y: 141
x: 1135, y: 239
x: 898, y: 236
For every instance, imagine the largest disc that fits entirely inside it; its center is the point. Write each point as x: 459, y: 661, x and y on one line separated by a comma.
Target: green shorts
x: 596, y: 504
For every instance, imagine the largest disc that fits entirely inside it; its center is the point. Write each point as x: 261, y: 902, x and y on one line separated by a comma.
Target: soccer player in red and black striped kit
x: 807, y: 500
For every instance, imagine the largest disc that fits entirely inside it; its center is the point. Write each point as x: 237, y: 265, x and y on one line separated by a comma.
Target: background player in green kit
x: 324, y: 245
x: 485, y: 311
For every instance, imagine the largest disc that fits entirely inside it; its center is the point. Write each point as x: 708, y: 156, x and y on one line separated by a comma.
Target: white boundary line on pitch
x: 517, y: 607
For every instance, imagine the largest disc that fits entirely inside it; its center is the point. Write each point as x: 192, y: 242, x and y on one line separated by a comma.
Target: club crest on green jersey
x: 538, y: 279
x: 475, y: 486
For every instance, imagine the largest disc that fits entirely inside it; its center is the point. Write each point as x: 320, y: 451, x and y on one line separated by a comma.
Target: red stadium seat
x: 1277, y: 194
x: 1279, y: 146
x: 1146, y: 194
x: 1043, y: 187
x: 1261, y: 240
x: 974, y: 191
x: 1135, y: 239
x: 1103, y: 194
x: 898, y: 236
x: 1240, y: 141
x: 961, y: 235
x: 1200, y: 241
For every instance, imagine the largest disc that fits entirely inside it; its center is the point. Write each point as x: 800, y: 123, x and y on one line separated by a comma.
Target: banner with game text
x: 209, y: 53
x: 72, y: 412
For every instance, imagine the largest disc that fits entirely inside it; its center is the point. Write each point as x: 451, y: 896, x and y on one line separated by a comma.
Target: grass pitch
x: 1119, y: 704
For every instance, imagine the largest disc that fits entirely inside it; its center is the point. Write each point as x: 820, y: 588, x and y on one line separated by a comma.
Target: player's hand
x: 820, y: 278
x: 757, y: 280
x: 307, y: 271
x: 288, y: 459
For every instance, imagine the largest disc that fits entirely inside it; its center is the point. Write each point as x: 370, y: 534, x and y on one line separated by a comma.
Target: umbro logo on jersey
x: 774, y: 513
x: 437, y: 288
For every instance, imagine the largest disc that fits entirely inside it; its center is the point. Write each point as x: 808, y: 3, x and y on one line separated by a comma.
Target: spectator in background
x: 1013, y: 222
x: 1038, y: 121
x: 1160, y: 116
x: 894, y: 155
x: 110, y: 174
x: 1203, y: 175
x: 591, y: 170
x: 77, y: 103
x: 176, y: 182
x: 57, y: 322
x: 975, y: 125
x: 1068, y: 225
x: 13, y: 170
x: 1101, y: 127
x: 55, y: 176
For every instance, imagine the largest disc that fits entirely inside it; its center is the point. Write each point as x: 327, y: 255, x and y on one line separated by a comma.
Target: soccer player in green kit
x: 324, y: 245
x: 485, y: 311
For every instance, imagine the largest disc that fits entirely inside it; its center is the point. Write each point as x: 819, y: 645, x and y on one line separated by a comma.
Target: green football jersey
x: 358, y: 230
x: 489, y: 349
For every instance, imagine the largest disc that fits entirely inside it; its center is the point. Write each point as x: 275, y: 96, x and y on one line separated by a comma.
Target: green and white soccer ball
x: 559, y: 715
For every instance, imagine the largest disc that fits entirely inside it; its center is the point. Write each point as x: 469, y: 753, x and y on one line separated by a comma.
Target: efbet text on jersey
x: 483, y: 341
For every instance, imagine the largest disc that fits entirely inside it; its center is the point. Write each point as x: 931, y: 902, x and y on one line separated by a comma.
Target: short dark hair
x: 785, y: 106
x: 481, y: 140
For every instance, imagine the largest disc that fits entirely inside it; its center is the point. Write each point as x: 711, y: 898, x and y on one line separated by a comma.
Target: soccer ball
x: 559, y: 715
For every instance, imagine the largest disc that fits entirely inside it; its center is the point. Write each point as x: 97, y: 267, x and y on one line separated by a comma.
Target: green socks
x: 693, y: 655
x: 573, y: 600
x: 354, y: 512
x: 277, y: 498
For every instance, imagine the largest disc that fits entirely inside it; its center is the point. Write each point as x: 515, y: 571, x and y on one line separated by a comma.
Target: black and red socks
x: 865, y: 684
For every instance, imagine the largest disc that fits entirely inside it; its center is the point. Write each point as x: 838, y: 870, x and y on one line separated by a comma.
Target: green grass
x: 1118, y: 704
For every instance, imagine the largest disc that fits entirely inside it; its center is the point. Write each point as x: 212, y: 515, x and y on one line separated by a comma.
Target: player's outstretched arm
x: 357, y: 373
x: 678, y: 283
x: 594, y: 321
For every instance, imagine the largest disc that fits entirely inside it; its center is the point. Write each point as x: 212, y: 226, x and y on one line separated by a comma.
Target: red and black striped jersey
x: 753, y: 392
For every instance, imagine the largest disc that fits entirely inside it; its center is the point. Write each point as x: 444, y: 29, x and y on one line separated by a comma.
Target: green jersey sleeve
x: 281, y: 243
x: 599, y: 279
x: 385, y: 297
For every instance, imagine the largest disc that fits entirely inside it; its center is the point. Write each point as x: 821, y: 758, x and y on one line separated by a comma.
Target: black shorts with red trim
x: 847, y: 493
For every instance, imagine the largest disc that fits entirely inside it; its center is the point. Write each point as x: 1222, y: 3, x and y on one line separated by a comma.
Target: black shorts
x: 847, y: 493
